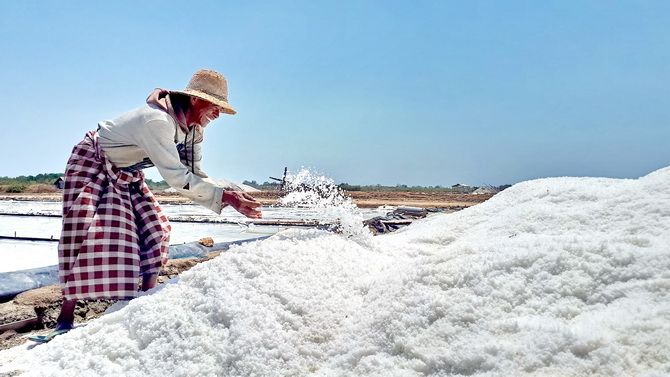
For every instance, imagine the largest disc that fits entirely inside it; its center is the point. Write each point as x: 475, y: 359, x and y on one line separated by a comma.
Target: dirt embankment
x: 369, y: 199
x: 363, y: 199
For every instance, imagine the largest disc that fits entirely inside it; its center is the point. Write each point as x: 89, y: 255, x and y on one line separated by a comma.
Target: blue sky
x: 414, y: 92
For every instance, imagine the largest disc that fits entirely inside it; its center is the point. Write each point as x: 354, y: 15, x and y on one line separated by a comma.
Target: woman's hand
x: 243, y: 203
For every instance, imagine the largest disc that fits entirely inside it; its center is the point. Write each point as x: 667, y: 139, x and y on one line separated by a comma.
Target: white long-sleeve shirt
x: 149, y: 133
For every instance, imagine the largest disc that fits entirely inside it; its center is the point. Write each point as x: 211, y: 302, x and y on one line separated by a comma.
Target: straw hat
x: 210, y: 86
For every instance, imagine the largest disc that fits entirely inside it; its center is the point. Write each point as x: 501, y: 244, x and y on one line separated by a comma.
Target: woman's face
x: 202, y: 112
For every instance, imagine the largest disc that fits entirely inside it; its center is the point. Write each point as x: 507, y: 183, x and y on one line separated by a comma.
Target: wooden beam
x: 19, y: 324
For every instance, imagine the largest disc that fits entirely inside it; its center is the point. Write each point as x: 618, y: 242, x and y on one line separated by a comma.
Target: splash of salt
x: 319, y: 193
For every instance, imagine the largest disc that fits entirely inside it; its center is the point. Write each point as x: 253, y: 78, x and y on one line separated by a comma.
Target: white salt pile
x: 561, y: 276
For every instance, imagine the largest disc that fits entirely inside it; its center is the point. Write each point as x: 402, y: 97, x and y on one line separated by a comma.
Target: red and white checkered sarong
x: 113, y: 229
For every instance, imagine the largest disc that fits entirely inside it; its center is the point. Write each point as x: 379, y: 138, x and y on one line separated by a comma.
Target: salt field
x: 22, y: 255
x: 19, y: 255
x: 510, y: 159
x: 557, y: 276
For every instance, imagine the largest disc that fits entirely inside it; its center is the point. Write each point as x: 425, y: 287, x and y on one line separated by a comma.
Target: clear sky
x: 412, y: 92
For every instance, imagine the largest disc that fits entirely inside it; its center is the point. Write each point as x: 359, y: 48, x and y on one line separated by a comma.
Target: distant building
x: 461, y: 188
x: 59, y: 183
x: 485, y: 190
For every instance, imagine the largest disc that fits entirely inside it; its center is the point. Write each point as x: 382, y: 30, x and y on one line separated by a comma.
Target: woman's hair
x: 180, y: 102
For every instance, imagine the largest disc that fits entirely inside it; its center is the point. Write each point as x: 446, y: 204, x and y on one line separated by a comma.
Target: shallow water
x: 18, y: 255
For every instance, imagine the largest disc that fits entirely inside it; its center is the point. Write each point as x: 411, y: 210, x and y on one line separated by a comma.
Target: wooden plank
x: 19, y: 324
x: 36, y: 214
x: 396, y: 222
x: 40, y: 239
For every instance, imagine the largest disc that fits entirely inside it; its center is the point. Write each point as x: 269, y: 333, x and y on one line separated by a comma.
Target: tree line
x: 273, y: 186
x: 45, y: 182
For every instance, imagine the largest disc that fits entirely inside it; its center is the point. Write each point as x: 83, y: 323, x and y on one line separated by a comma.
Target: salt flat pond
x: 19, y: 255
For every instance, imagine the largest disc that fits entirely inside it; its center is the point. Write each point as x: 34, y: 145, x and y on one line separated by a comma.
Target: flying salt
x: 321, y: 194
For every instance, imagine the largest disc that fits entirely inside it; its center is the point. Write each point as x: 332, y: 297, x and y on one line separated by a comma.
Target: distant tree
x: 16, y: 188
x: 46, y: 178
x: 156, y: 185
x: 253, y: 184
x: 348, y: 187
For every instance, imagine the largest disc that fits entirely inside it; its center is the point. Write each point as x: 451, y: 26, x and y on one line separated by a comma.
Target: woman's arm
x: 243, y: 203
x: 158, y: 143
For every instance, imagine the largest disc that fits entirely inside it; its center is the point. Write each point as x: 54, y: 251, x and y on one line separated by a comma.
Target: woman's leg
x: 149, y: 281
x: 64, y: 323
x: 66, y: 316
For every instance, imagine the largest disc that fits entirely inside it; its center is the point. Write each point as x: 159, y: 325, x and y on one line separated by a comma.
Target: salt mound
x: 559, y: 276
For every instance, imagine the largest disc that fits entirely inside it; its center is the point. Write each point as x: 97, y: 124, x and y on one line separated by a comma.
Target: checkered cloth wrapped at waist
x: 113, y: 229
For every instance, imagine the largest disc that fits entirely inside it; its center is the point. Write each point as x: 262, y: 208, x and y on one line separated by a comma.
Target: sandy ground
x: 363, y: 199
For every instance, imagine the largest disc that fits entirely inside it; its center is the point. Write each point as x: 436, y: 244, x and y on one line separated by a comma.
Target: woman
x: 113, y: 229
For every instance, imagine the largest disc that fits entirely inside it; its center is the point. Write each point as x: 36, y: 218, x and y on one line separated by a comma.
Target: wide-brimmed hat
x: 210, y: 86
